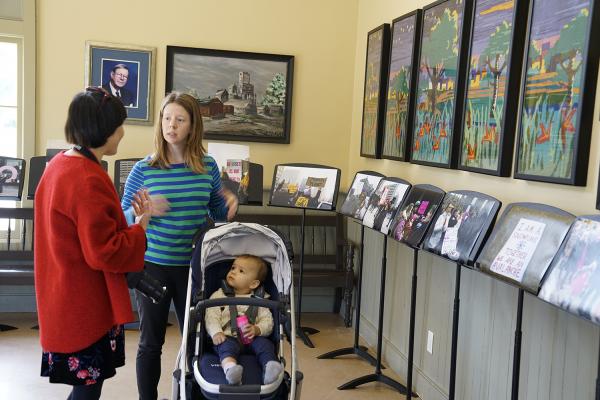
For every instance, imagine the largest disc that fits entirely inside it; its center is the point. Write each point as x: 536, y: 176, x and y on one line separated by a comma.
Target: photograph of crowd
x: 574, y: 278
x: 363, y: 186
x: 458, y: 223
x: 11, y: 178
x: 305, y: 187
x: 383, y: 204
x: 411, y: 221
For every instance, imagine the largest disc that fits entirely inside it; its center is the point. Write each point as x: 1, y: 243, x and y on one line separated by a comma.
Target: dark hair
x: 94, y: 115
x: 116, y: 67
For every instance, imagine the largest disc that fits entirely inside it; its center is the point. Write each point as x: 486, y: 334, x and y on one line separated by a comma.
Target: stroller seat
x: 210, y: 368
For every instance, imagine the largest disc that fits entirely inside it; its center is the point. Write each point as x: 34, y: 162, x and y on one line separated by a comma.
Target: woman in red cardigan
x: 83, y: 248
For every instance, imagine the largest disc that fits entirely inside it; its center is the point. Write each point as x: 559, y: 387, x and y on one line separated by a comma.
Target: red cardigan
x: 82, y: 247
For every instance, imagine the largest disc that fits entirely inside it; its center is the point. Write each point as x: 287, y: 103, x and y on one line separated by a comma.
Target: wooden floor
x: 20, y: 364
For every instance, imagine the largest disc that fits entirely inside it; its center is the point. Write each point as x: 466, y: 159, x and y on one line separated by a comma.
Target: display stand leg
x: 303, y: 331
x: 454, y: 348
x: 378, y: 375
x: 4, y: 328
x: 357, y: 349
x: 411, y: 329
x: 598, y: 378
x: 516, y: 370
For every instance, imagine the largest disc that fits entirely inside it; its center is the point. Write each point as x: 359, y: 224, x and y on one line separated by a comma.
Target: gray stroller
x: 198, y: 373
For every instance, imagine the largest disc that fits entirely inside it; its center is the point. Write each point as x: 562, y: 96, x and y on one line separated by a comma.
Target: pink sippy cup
x: 242, y: 321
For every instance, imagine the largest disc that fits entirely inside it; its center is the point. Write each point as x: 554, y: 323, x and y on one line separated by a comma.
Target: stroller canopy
x: 235, y: 238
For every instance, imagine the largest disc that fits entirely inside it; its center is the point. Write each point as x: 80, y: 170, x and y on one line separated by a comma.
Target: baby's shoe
x: 272, y: 371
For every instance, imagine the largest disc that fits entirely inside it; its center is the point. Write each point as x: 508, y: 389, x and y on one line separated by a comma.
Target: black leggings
x: 153, y: 324
x: 86, y: 392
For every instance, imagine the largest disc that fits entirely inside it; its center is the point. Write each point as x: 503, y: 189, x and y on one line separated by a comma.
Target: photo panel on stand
x: 574, y: 277
x: 523, y: 243
x: 357, y: 199
x: 305, y: 186
x: 460, y: 225
x: 384, y: 202
x: 12, y: 177
x: 415, y: 214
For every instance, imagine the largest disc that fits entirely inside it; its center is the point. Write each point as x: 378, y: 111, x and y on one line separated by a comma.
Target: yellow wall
x: 320, y: 34
x: 578, y: 200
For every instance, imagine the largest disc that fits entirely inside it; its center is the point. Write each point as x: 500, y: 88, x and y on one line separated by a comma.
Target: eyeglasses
x: 122, y: 76
x: 96, y: 89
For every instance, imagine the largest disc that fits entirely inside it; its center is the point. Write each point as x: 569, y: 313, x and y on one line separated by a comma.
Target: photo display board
x: 415, y: 214
x: 305, y: 186
x: 244, y: 179
x: 122, y: 169
x: 460, y: 226
x: 357, y: 199
x: 12, y: 176
x: 384, y: 202
x: 523, y: 244
x: 37, y: 165
x: 573, y: 276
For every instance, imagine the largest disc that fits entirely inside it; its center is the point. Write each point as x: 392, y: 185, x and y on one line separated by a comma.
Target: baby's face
x: 243, y: 275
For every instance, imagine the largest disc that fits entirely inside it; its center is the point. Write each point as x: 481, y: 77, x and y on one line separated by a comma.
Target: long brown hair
x: 194, y: 150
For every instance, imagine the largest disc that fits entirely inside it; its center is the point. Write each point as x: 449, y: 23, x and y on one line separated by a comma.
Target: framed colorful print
x: 574, y: 277
x: 309, y: 186
x: 461, y: 225
x: 440, y: 83
x: 557, y: 91
x: 243, y: 96
x: 523, y: 243
x: 415, y: 214
x: 127, y: 72
x: 363, y: 186
x: 493, y: 76
x: 376, y: 65
x: 399, y: 101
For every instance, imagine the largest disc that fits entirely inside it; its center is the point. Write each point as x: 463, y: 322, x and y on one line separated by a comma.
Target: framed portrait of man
x: 126, y: 72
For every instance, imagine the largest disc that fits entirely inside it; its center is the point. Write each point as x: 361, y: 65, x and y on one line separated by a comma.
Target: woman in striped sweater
x: 185, y: 189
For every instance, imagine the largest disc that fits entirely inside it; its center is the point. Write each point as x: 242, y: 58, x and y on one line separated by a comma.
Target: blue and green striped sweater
x: 192, y: 197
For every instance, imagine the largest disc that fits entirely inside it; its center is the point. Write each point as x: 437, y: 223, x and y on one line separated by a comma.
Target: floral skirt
x: 90, y: 365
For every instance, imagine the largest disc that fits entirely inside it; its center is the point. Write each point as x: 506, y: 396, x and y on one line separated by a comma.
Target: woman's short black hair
x: 94, y: 115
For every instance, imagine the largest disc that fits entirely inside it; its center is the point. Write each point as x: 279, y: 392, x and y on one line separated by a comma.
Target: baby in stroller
x: 243, y: 279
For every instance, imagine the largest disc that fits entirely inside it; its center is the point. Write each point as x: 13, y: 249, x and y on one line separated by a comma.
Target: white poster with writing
x: 516, y: 253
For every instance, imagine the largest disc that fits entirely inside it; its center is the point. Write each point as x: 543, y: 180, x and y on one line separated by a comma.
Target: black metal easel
x: 514, y: 394
x: 378, y: 376
x: 598, y: 378
x: 454, y: 348
x: 357, y: 349
x: 411, y: 329
x: 303, y: 331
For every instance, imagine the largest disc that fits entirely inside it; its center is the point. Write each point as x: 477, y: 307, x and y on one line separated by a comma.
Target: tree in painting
x: 438, y: 64
x: 490, y: 51
x: 548, y: 128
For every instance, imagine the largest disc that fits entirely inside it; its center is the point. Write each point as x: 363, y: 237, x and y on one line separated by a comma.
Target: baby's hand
x: 250, y: 331
x: 219, y: 338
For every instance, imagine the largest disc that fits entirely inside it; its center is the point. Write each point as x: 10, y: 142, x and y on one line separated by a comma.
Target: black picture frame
x: 290, y: 179
x: 486, y: 141
x: 467, y: 239
x: 438, y: 116
x: 374, y: 91
x: 558, y: 88
x: 523, y: 243
x: 400, y: 93
x: 242, y: 115
x: 12, y: 178
x: 355, y: 205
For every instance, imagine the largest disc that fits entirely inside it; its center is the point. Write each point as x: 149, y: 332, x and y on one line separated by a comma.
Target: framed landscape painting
x: 558, y: 90
x: 495, y: 58
x: 376, y: 65
x: 243, y: 96
x: 440, y: 86
x: 399, y: 101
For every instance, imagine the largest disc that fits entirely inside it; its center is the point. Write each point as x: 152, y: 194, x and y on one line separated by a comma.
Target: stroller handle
x: 238, y: 301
